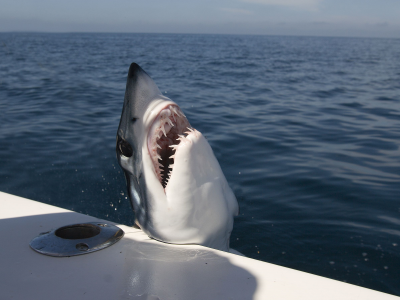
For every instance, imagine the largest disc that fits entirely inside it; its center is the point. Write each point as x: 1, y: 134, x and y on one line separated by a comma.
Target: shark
x: 177, y: 189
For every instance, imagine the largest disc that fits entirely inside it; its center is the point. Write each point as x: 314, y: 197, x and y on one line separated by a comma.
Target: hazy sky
x: 372, y: 18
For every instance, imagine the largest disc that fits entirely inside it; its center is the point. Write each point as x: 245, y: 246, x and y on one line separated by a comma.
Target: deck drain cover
x: 77, y: 239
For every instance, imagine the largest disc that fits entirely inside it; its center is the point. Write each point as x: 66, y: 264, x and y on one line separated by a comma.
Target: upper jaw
x: 154, y: 109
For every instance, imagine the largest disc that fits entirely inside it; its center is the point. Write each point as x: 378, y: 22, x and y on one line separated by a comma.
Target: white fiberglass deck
x: 138, y: 267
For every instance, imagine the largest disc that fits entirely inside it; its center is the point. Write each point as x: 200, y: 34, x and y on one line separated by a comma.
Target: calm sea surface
x: 306, y: 129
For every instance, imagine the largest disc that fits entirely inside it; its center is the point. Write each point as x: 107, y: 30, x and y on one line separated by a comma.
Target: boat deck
x: 138, y: 267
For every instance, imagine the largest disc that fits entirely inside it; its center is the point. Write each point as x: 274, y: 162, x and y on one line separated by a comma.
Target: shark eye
x: 124, y: 147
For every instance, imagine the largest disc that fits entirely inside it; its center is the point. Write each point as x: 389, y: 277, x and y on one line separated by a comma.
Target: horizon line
x: 196, y: 33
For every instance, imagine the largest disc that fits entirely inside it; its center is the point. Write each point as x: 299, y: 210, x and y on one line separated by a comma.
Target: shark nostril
x: 124, y: 147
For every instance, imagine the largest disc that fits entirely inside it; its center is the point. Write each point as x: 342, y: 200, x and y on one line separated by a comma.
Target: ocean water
x: 306, y: 129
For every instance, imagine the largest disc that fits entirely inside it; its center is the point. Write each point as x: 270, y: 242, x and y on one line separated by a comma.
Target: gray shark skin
x: 175, y: 184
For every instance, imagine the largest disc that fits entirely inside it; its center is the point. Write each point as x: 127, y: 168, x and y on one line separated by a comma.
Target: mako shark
x: 176, y: 186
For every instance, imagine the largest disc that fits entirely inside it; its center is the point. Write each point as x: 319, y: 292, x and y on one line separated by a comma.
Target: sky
x: 355, y: 18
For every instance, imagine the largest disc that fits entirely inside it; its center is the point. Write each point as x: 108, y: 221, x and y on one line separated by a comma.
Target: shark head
x: 175, y: 184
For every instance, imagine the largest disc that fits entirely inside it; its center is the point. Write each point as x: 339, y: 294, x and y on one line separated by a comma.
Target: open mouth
x: 166, y: 132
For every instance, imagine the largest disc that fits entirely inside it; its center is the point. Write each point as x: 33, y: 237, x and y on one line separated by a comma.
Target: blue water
x: 306, y: 129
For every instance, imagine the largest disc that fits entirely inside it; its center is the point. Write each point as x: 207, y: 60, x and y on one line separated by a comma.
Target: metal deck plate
x: 77, y: 239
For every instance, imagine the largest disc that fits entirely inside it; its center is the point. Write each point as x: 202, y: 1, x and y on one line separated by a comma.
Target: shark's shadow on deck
x: 130, y: 269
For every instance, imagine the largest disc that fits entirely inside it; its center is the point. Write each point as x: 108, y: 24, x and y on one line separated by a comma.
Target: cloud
x: 382, y: 24
x: 237, y: 11
x: 305, y: 4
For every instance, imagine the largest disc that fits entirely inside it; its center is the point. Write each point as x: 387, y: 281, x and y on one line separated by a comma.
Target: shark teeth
x: 168, y: 129
x: 163, y: 130
x: 180, y: 113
